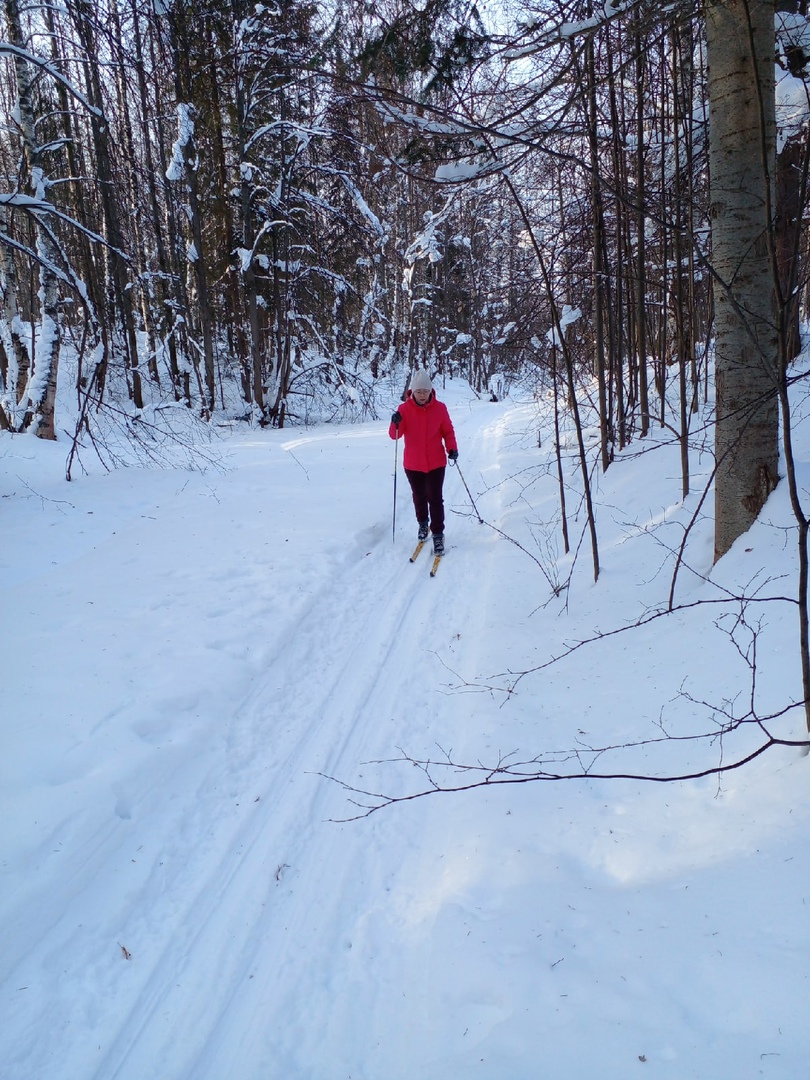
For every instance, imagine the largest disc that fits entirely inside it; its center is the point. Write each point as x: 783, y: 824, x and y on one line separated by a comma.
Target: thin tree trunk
x: 682, y: 317
x: 84, y: 17
x: 641, y: 257
x: 558, y: 451
x: 571, y: 378
x: 130, y: 164
x: 168, y: 300
x: 599, y: 269
x: 616, y: 307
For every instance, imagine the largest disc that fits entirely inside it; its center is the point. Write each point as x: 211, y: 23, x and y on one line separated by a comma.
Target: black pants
x: 427, y: 496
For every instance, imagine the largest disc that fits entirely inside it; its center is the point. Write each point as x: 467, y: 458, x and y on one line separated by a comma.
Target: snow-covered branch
x: 7, y: 49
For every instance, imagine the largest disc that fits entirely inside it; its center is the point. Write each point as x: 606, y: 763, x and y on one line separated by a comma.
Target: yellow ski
x: 416, y: 551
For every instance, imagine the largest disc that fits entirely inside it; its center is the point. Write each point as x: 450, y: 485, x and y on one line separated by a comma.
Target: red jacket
x: 428, y: 432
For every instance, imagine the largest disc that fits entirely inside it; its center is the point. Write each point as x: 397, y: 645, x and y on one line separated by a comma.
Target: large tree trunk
x: 740, y: 37
x: 254, y: 378
x: 180, y: 34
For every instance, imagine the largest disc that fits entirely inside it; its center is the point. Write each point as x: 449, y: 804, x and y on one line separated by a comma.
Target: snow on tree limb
x: 363, y: 206
x: 7, y: 49
x: 185, y: 136
x: 40, y: 206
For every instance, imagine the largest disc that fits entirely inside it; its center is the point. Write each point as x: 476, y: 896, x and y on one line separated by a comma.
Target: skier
x: 425, y: 423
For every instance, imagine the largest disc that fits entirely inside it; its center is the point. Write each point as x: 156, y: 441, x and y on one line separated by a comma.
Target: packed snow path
x: 190, y: 653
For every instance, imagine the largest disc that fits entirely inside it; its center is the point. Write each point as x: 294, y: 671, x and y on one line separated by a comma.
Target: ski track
x: 250, y: 840
x: 267, y: 941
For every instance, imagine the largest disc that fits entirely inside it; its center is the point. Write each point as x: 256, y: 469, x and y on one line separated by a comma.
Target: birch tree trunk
x: 18, y: 367
x: 40, y: 392
x: 740, y: 38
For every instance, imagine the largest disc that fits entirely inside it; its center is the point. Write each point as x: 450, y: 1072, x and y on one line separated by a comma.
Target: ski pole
x: 469, y: 493
x: 396, y: 458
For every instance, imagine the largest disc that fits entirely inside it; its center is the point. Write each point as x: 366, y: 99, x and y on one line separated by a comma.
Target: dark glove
x: 396, y: 418
x: 453, y: 455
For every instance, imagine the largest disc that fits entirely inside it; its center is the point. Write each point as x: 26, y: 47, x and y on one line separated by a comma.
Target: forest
x: 256, y: 212
x: 280, y: 805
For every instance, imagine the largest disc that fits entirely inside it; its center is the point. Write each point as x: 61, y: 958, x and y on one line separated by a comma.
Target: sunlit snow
x: 189, y: 654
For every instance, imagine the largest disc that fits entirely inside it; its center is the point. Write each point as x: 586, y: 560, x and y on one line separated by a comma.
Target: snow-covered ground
x: 187, y: 655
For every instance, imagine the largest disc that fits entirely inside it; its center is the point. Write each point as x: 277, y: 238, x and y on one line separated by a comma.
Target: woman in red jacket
x: 425, y: 423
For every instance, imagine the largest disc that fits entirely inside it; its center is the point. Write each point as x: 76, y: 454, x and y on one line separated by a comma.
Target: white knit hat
x: 421, y: 381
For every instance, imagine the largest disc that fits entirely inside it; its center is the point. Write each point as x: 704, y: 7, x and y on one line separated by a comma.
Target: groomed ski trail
x: 250, y: 862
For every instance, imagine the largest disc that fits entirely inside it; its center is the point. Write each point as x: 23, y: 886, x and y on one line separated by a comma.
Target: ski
x: 436, y: 560
x: 416, y: 551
